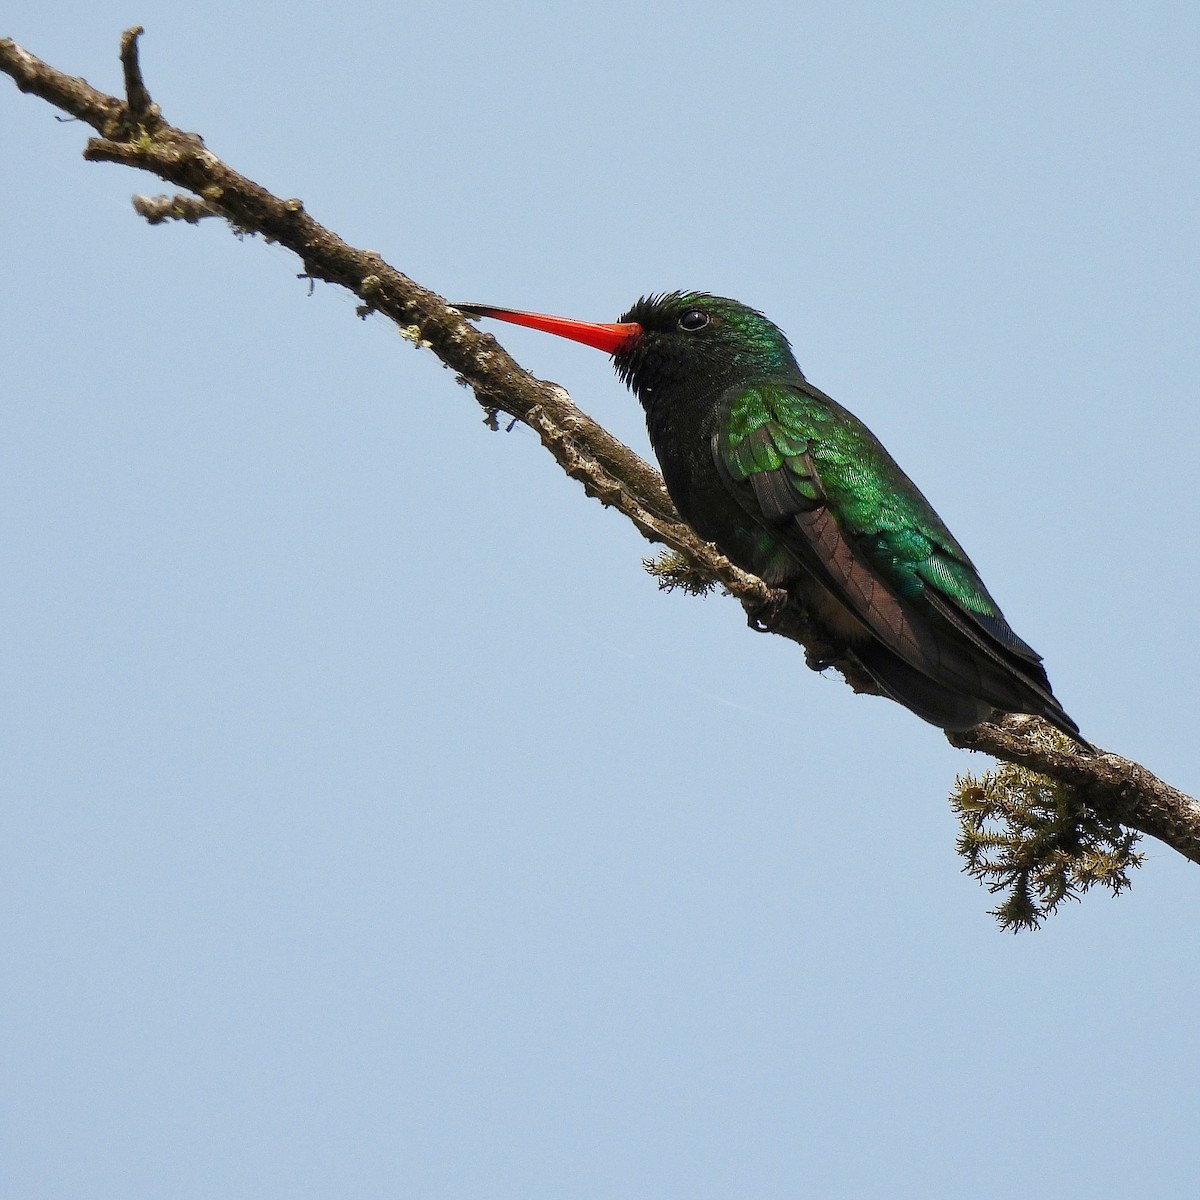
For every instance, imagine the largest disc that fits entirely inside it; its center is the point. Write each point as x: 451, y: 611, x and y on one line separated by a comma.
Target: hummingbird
x: 795, y: 489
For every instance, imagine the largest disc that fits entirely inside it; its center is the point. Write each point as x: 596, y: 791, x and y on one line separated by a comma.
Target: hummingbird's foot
x: 767, y: 615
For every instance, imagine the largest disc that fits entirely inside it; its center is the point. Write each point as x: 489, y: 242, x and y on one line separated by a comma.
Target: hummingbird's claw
x: 765, y: 616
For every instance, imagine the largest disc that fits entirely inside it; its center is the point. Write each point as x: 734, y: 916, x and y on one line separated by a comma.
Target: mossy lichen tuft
x: 1036, y: 840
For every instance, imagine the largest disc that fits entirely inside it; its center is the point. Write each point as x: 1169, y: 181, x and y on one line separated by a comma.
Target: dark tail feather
x: 1063, y: 723
x: 1012, y: 675
x: 931, y: 701
x: 941, y: 705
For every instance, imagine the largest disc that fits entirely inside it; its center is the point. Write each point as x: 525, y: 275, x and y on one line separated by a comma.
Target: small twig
x: 141, y: 107
x: 157, y: 209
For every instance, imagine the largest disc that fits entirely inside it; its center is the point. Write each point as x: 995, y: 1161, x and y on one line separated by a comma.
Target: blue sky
x: 372, y: 826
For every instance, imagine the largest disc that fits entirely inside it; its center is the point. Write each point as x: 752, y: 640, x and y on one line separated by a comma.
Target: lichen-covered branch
x: 1038, y: 840
x: 132, y: 132
x: 1118, y: 788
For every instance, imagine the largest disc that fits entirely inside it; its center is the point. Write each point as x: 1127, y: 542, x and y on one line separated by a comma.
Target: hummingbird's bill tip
x: 474, y: 311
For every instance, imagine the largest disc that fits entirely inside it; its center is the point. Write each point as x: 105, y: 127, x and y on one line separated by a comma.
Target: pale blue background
x: 372, y: 826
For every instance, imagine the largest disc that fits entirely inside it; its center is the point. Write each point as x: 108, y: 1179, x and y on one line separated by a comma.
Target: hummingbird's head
x: 693, y: 345
x: 677, y: 346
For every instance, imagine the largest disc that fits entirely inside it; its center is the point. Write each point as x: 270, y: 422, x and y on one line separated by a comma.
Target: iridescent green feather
x: 778, y: 425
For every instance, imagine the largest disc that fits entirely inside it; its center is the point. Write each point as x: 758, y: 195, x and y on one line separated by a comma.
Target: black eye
x: 693, y: 320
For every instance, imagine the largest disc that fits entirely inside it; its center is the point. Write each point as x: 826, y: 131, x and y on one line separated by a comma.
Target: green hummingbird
x: 797, y: 490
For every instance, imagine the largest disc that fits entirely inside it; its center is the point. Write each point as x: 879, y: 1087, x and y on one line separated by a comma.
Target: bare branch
x: 133, y: 133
